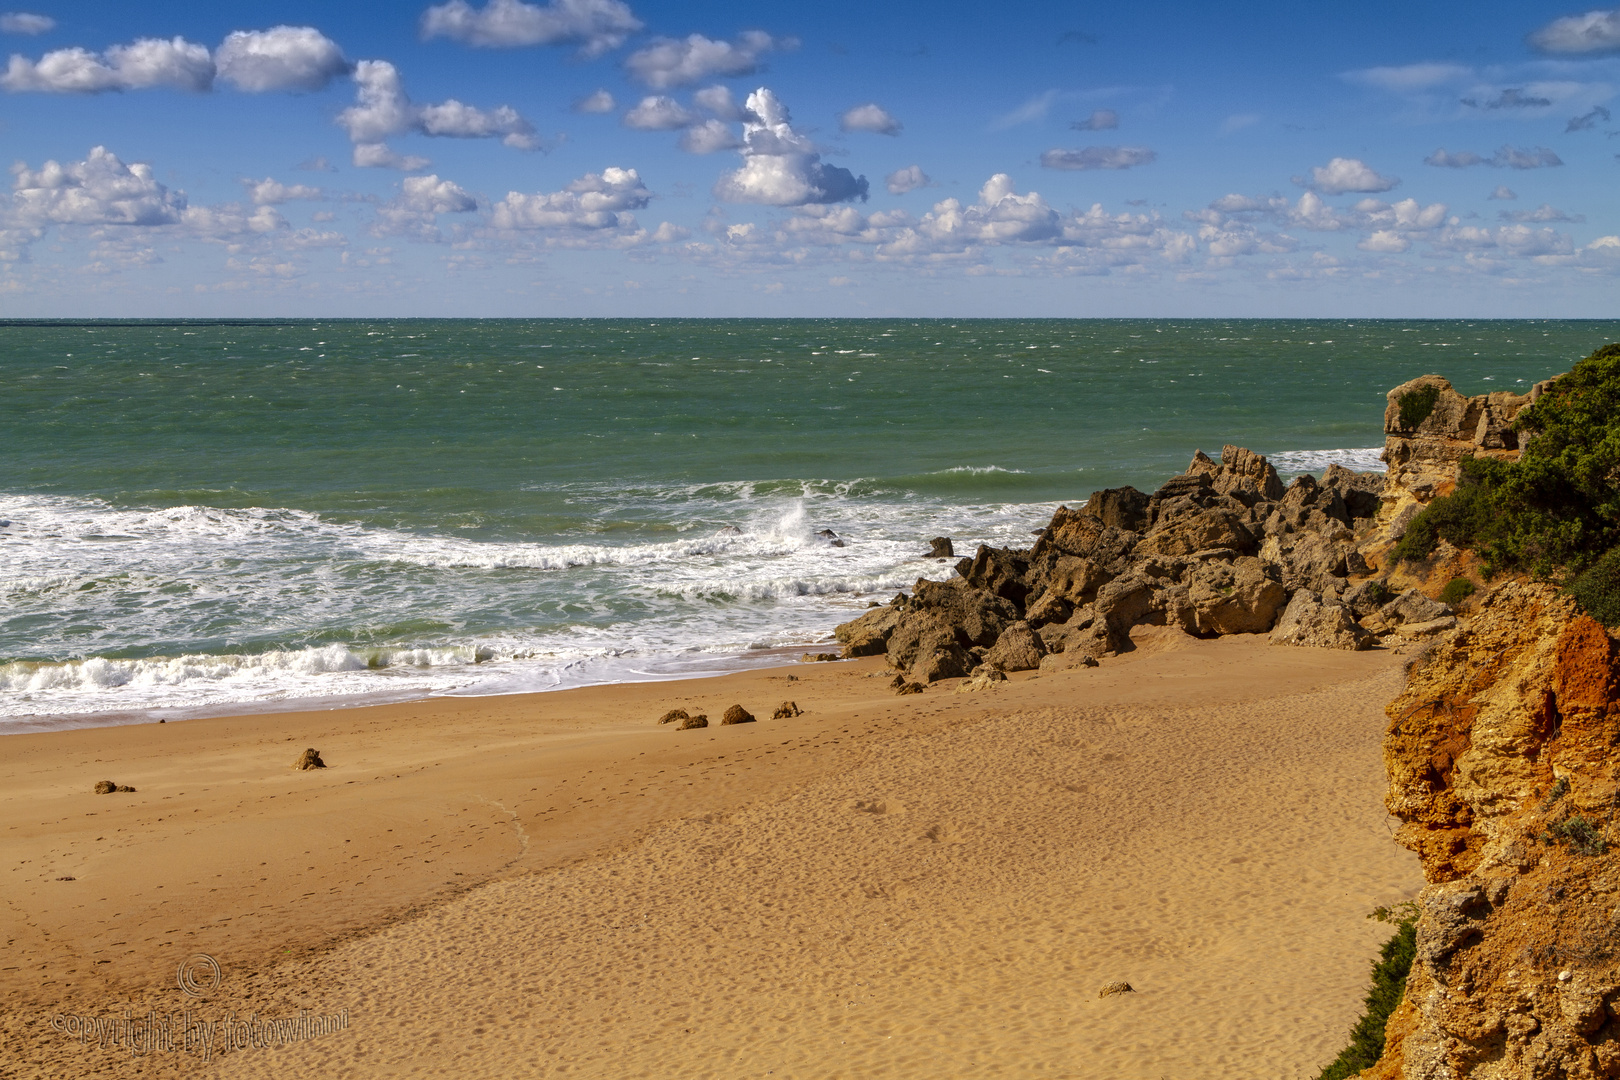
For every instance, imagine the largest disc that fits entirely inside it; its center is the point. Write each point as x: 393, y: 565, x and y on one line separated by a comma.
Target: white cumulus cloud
x: 382, y: 109
x: 599, y: 102
x: 100, y: 190
x: 782, y: 167
x: 1593, y: 32
x: 270, y: 192
x: 907, y: 179
x: 595, y: 25
x: 23, y: 22
x: 869, y: 117
x: 430, y: 195
x: 669, y: 62
x: 414, y: 212
x: 718, y: 100
x: 140, y: 65
x: 376, y: 155
x: 1385, y: 242
x: 1098, y: 157
x: 1343, y: 175
x: 595, y: 202
x: 658, y: 113
x: 255, y: 61
x: 709, y: 137
x: 281, y: 58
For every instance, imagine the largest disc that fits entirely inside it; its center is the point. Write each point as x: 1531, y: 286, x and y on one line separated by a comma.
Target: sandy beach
x: 918, y: 886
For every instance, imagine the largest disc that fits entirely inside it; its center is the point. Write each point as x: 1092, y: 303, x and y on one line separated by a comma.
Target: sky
x: 633, y: 158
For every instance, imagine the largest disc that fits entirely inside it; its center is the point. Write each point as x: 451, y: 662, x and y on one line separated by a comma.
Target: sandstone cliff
x: 1501, y: 758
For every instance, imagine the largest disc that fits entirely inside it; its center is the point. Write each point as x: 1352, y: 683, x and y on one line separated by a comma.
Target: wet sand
x: 554, y: 885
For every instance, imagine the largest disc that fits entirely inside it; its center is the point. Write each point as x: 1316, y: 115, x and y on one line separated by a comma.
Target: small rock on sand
x: 817, y: 657
x: 902, y: 685
x: 786, y: 709
x: 107, y: 787
x: 672, y: 716
x: 700, y: 720
x: 1113, y: 988
x: 737, y: 715
x: 309, y: 759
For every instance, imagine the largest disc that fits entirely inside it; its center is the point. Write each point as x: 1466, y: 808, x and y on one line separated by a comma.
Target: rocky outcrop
x: 1218, y: 549
x: 309, y: 759
x: 1429, y: 430
x: 869, y: 634
x: 1018, y: 648
x: 1500, y: 755
x: 1323, y: 622
x: 736, y: 715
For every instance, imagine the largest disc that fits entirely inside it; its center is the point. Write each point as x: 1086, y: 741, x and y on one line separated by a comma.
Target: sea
x: 208, y: 517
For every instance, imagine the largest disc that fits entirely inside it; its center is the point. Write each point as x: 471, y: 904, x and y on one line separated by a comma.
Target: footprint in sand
x: 946, y: 833
x: 896, y: 890
x: 876, y: 806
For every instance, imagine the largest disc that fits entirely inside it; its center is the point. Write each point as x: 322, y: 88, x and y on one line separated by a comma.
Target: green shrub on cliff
x: 1416, y: 405
x: 1555, y: 512
x: 1456, y: 591
x: 1389, y: 973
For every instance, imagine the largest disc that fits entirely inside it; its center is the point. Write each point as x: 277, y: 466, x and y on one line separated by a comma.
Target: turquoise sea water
x: 208, y: 516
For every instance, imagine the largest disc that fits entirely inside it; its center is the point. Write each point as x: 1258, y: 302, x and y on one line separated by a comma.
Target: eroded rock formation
x: 1223, y: 548
x: 1501, y: 758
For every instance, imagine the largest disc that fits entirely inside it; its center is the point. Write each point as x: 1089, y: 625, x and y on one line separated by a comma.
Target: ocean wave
x: 1356, y: 459
x: 978, y: 470
x: 102, y: 673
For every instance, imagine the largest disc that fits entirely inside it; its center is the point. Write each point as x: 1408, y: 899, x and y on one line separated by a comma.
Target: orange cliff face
x: 1503, y: 764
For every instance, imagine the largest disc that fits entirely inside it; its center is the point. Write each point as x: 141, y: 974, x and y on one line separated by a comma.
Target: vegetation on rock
x: 1389, y: 973
x: 1555, y: 512
x: 1417, y: 405
x: 1456, y: 591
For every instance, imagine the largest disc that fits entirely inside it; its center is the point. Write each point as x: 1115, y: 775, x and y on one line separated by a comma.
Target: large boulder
x: 1070, y: 581
x: 1072, y: 532
x: 978, y: 614
x: 1310, y: 619
x: 1241, y: 464
x: 998, y: 570
x: 1238, y: 597
x: 1122, y: 507
x: 1081, y: 633
x: 1200, y: 531
x: 1361, y: 492
x: 1121, y: 604
x: 1413, y: 607
x: 869, y: 634
x: 1309, y: 560
x: 947, y: 660
x: 947, y: 613
x: 1018, y: 648
x: 918, y: 633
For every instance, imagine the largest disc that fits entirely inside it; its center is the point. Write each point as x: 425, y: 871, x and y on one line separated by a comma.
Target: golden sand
x: 935, y: 885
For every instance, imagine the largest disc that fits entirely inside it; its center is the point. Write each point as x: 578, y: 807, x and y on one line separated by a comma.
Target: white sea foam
x: 1356, y: 459
x: 117, y: 612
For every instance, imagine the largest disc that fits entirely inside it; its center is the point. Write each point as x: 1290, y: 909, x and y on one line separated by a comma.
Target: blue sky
x: 618, y: 157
